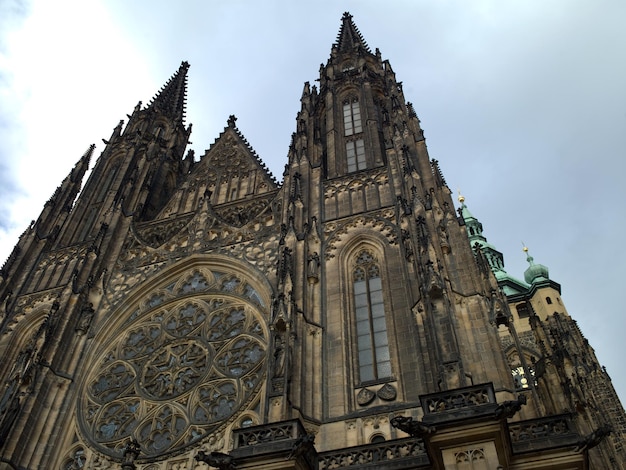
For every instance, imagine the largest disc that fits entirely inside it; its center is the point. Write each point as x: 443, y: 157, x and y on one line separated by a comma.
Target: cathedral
x: 175, y: 312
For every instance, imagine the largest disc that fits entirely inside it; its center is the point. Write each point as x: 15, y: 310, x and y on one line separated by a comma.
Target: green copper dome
x: 535, y: 272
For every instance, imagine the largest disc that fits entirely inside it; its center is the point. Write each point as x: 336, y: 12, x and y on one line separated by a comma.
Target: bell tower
x: 400, y: 308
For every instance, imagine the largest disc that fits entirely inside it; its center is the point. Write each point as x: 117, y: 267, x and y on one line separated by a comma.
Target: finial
x: 231, y: 120
x: 461, y: 197
x: 529, y: 258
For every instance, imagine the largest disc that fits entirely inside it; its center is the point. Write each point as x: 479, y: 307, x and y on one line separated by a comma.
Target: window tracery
x: 471, y: 459
x: 192, y: 356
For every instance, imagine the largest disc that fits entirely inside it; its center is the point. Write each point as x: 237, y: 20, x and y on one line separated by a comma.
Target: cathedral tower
x: 180, y: 313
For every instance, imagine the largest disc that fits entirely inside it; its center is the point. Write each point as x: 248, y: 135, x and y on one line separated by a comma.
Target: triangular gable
x: 232, y: 170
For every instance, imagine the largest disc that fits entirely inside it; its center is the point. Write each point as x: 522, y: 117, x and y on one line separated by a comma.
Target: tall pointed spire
x: 72, y: 182
x: 349, y: 37
x: 171, y: 99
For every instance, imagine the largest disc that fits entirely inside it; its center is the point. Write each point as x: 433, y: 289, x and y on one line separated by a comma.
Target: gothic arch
x: 372, y: 246
x: 23, y: 332
x: 179, y: 360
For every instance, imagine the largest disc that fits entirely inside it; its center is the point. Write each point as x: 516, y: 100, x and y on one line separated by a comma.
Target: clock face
x: 183, y: 364
x: 519, y: 377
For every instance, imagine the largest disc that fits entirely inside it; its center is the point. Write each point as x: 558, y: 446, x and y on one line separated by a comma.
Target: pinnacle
x: 172, y: 97
x: 349, y: 37
x: 82, y: 165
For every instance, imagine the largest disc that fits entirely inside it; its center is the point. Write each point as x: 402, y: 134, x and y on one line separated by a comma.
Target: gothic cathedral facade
x: 181, y: 313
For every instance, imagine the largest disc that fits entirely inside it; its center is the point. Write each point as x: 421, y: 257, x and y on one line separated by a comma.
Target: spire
x: 72, y: 182
x: 509, y: 284
x: 349, y: 37
x: 476, y: 237
x: 170, y: 100
x: 82, y: 165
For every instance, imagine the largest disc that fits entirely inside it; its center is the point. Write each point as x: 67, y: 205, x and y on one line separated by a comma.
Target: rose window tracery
x: 179, y: 369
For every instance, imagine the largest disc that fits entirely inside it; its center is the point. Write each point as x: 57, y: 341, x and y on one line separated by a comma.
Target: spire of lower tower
x: 172, y: 97
x: 349, y: 37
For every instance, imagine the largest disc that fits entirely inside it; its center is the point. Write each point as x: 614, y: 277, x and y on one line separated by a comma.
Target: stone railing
x: 459, y: 403
x: 543, y: 433
x: 267, y: 433
x: 399, y: 454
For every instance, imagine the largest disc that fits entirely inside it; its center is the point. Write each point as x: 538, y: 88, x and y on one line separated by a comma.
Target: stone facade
x: 182, y: 313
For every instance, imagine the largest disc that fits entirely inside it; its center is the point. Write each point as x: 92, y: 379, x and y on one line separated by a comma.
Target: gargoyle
x: 594, y: 438
x: 508, y: 408
x: 302, y: 445
x: 216, y: 459
x: 412, y: 427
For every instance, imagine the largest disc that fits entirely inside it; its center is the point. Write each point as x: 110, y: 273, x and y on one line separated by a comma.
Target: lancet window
x: 371, y: 325
x: 352, y: 118
x: 355, y: 153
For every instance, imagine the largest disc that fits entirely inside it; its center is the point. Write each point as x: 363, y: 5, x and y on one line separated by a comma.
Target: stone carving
x: 100, y: 463
x: 218, y: 460
x: 365, y: 397
x: 263, y: 434
x: 131, y: 453
x: 412, y: 427
x: 381, y: 222
x: 410, y: 451
x: 302, y: 445
x: 279, y: 356
x: 593, y: 439
x: 313, y: 266
x: 454, y: 400
x: 509, y: 408
x: 177, y: 465
x: 84, y: 320
x: 138, y: 264
x: 77, y: 460
x: 376, y: 177
x: 468, y: 456
x: 181, y: 370
x: 387, y: 392
x: 243, y: 212
x: 156, y: 234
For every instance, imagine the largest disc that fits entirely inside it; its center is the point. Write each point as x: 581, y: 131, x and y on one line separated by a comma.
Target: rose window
x: 178, y: 370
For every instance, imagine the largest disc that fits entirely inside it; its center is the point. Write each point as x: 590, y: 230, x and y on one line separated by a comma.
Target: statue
x: 279, y: 356
x: 84, y: 320
x: 313, y: 267
x: 131, y: 452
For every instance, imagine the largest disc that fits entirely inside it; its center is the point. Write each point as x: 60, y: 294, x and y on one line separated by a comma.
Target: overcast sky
x: 522, y: 102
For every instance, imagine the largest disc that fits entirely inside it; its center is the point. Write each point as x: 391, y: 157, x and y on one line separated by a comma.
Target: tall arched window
x: 355, y: 147
x: 352, y: 118
x: 371, y: 326
x: 355, y: 153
